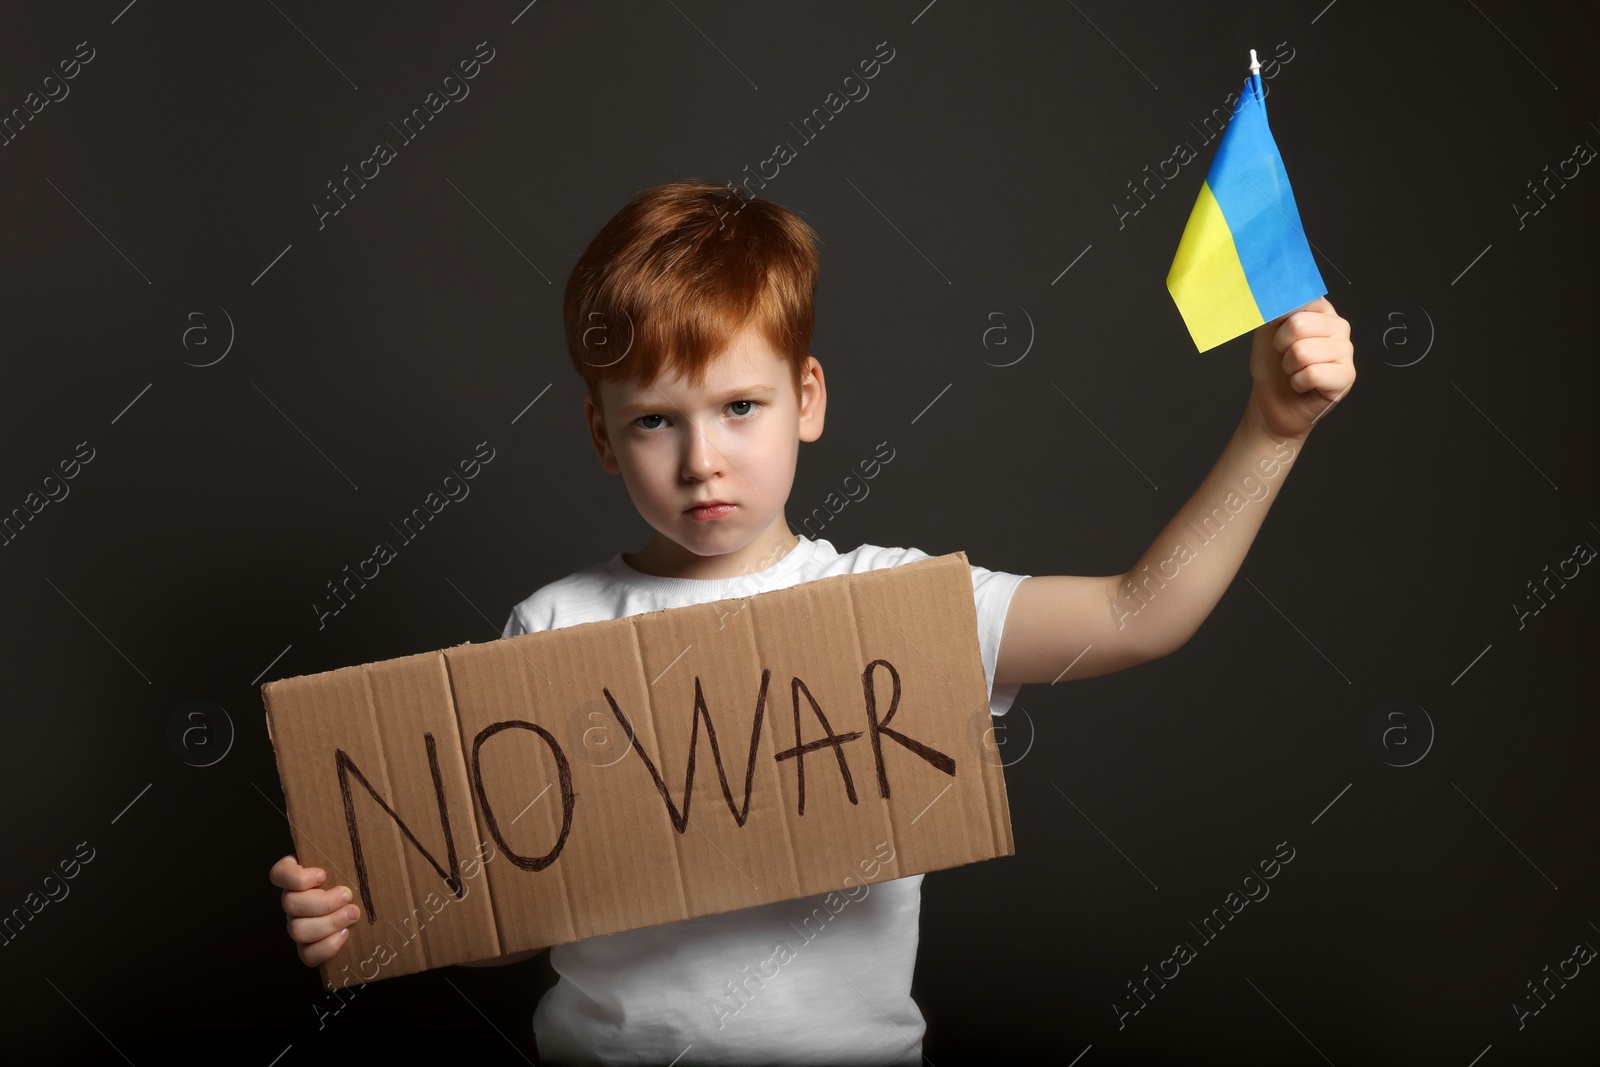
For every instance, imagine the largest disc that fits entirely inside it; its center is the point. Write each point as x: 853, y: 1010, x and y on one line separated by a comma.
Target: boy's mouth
x: 710, y: 509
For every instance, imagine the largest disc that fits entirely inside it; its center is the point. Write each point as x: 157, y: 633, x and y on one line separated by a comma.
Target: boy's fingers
x: 1318, y: 376
x: 309, y: 931
x: 312, y: 902
x: 288, y: 874
x: 1299, y: 325
x: 1319, y: 304
x: 1308, y: 351
x: 315, y: 954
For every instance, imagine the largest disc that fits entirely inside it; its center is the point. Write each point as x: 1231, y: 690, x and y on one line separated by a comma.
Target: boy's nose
x: 702, y: 460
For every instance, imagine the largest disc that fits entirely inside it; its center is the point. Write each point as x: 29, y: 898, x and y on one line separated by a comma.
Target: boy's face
x: 735, y: 439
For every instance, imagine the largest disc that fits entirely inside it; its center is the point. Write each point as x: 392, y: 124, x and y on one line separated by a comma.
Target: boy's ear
x: 813, y: 400
x: 599, y: 437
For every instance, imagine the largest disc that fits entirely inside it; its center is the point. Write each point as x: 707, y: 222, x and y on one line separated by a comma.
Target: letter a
x: 798, y: 753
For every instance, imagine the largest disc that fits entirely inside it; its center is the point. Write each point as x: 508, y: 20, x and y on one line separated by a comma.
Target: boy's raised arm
x: 1301, y: 365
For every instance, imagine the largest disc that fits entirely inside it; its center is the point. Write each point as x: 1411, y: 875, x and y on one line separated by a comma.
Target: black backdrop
x: 336, y: 366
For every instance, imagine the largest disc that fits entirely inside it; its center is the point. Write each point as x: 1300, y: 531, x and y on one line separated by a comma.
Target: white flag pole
x: 1255, y: 64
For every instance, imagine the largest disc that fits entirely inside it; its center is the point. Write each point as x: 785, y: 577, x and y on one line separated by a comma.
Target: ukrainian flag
x: 1244, y: 259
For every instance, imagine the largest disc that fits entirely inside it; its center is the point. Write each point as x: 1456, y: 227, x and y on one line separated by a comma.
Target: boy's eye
x: 643, y: 423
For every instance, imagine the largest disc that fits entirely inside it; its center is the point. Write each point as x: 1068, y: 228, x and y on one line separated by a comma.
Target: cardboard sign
x: 554, y: 786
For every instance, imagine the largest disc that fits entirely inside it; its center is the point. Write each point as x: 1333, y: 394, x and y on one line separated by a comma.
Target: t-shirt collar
x: 740, y: 585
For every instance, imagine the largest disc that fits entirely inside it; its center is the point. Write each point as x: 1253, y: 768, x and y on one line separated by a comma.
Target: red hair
x: 669, y: 279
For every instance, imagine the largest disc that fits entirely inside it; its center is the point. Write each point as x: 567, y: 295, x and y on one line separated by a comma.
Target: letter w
x: 680, y: 820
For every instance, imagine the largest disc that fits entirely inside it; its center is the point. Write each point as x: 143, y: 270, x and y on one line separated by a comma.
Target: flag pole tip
x: 1255, y: 64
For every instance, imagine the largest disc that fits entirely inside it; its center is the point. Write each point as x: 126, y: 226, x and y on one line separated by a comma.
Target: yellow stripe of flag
x: 1207, y: 280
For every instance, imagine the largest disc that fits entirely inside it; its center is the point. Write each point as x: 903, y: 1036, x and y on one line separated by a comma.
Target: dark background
x: 377, y: 351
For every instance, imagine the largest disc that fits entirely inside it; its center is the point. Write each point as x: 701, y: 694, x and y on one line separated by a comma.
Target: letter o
x: 568, y: 798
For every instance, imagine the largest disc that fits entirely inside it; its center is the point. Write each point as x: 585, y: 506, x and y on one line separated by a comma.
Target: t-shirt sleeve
x: 530, y: 616
x: 992, y: 592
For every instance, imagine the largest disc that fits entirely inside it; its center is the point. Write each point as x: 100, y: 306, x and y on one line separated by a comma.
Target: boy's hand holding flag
x: 1244, y: 263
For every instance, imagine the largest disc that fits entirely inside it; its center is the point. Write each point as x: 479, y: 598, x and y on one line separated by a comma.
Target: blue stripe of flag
x: 1252, y: 189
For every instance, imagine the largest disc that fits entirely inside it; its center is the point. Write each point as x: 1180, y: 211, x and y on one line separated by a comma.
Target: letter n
x: 347, y: 769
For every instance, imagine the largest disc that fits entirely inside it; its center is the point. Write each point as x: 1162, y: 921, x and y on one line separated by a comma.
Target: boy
x: 690, y: 316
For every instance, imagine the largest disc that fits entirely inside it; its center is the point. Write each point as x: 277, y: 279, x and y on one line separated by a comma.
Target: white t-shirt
x: 792, y: 982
